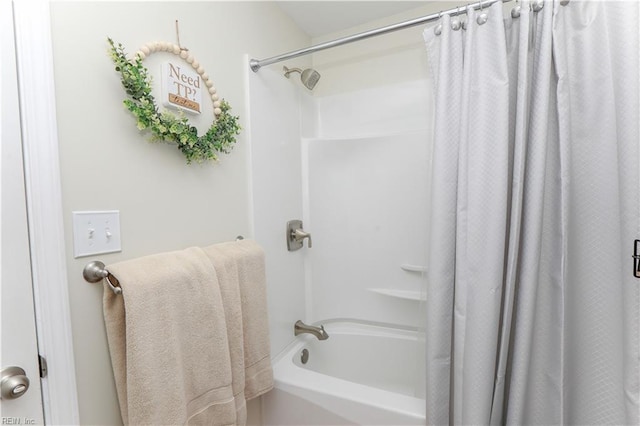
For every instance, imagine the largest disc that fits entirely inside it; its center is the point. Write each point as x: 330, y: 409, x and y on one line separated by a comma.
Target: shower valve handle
x: 300, y: 235
x: 296, y: 235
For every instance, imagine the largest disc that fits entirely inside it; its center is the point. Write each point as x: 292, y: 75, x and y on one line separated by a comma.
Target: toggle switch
x: 96, y: 232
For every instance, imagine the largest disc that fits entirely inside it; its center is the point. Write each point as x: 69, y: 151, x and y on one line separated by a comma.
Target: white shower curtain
x: 532, y: 310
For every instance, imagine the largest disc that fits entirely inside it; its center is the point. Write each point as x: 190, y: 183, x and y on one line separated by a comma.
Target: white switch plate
x: 96, y: 233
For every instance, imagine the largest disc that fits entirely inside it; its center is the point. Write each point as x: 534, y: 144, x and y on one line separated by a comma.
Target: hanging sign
x: 181, y: 88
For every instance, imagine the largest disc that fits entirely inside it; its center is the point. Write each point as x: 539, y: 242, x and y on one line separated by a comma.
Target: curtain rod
x: 256, y: 64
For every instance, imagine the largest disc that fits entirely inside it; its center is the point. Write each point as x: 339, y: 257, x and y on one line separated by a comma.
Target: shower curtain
x: 532, y: 307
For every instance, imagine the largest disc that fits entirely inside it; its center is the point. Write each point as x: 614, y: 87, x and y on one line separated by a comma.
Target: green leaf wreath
x: 168, y: 127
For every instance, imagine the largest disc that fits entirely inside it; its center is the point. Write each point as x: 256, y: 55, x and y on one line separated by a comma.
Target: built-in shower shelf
x: 400, y: 294
x: 413, y: 268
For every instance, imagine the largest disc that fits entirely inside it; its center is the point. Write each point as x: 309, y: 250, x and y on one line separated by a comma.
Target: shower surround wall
x: 356, y: 170
x: 366, y: 180
x: 276, y: 108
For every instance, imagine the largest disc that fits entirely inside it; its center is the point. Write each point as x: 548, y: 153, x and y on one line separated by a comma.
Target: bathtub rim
x: 356, y: 323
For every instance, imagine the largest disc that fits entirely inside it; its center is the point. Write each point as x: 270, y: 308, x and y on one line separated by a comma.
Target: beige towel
x: 168, y: 341
x: 257, y: 345
x: 240, y: 267
x: 224, y: 262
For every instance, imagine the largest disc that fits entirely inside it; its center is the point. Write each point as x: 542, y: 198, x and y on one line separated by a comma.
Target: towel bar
x: 95, y: 271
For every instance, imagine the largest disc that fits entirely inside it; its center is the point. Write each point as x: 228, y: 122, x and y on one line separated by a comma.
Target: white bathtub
x: 363, y: 374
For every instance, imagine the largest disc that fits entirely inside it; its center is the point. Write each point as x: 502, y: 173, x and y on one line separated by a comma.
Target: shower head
x: 309, y: 77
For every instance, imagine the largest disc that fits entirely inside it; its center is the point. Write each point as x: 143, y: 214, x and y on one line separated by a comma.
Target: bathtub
x: 364, y: 374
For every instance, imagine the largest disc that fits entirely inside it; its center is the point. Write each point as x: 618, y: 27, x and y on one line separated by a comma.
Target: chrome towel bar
x: 96, y: 271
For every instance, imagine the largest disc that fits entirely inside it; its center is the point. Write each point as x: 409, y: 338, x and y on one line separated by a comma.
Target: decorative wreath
x: 168, y: 127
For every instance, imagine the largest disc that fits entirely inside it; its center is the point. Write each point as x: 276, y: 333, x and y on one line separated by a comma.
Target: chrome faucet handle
x: 300, y: 235
x: 296, y: 235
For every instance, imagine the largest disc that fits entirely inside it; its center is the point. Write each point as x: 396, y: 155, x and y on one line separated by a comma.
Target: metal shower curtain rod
x: 256, y: 64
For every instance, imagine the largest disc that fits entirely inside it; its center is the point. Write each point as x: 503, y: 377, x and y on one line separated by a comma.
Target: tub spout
x: 300, y: 328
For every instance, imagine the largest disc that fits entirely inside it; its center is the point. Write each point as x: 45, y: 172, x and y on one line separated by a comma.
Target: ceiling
x: 318, y: 18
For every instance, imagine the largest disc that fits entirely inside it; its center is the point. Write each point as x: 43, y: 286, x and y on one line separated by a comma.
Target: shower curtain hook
x: 515, y: 12
x: 464, y: 21
x: 438, y: 29
x: 483, y: 17
x: 538, y: 5
x: 455, y: 24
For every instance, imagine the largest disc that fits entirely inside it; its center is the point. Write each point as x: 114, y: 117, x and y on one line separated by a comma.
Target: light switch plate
x: 96, y: 232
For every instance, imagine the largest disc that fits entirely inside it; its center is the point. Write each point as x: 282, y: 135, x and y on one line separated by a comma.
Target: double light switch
x: 96, y: 232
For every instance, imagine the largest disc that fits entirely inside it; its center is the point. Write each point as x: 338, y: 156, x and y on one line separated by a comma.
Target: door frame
x: 44, y: 208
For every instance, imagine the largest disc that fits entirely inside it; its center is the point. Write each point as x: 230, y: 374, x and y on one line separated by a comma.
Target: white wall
x: 107, y: 164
